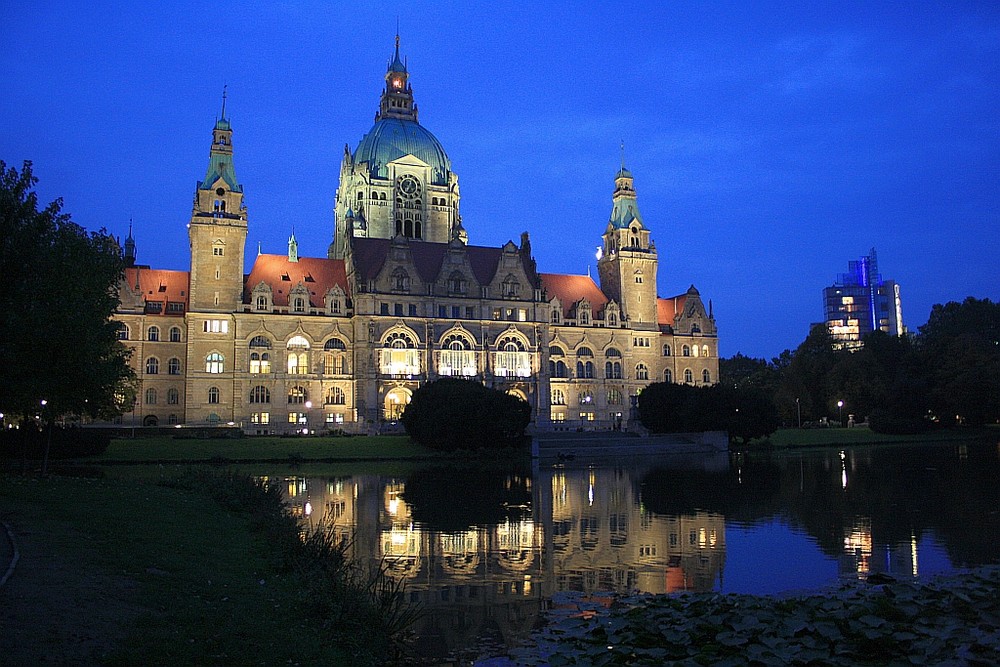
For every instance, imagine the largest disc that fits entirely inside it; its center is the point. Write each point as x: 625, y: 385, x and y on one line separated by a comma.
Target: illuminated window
x: 216, y: 326
x: 260, y: 417
x: 260, y: 362
x: 297, y: 418
x: 214, y: 363
x: 558, y: 397
x: 297, y: 396
x: 298, y: 356
x: 336, y: 396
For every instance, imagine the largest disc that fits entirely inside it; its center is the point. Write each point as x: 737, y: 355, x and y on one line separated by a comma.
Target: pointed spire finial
x: 223, y: 116
x: 623, y: 153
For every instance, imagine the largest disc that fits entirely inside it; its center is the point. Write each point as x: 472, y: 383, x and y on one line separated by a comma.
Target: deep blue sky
x: 770, y: 145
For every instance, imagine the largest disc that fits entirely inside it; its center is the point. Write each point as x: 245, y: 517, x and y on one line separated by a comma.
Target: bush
x: 890, y: 422
x: 744, y: 413
x: 29, y: 442
x: 451, y: 414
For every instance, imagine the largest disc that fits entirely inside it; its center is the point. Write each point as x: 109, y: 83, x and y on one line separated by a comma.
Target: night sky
x: 770, y: 145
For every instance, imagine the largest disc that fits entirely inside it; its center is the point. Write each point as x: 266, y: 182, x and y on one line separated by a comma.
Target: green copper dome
x: 392, y: 138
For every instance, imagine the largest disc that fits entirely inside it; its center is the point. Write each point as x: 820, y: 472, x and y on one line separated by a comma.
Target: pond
x: 483, y: 549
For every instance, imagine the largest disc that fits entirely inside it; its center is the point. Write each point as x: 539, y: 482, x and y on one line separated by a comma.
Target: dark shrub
x: 454, y: 414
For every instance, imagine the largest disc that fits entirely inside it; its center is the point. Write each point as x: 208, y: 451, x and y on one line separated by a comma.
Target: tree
x: 453, y: 414
x: 960, y: 348
x: 59, y: 342
x: 804, y: 381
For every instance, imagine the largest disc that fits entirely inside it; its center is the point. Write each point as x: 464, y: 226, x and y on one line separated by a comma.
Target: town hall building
x: 402, y: 297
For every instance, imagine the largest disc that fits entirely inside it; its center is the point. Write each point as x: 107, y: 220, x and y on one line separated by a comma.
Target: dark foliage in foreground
x: 451, y: 414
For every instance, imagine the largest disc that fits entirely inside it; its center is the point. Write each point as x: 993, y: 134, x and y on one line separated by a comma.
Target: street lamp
x: 840, y: 406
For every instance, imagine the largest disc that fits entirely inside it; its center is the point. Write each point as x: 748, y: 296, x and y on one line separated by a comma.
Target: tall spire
x: 129, y: 252
x: 397, y: 98
x: 223, y: 115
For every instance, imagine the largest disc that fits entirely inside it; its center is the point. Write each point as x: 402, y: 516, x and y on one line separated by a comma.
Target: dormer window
x: 510, y: 288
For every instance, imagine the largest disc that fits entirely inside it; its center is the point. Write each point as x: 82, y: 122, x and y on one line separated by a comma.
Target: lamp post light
x: 309, y: 405
x: 840, y: 407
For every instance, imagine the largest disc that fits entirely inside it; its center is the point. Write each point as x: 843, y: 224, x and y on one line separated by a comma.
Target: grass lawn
x: 381, y: 447
x: 827, y: 437
x: 130, y: 572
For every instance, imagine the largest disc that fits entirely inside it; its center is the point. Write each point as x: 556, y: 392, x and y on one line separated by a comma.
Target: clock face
x: 408, y: 185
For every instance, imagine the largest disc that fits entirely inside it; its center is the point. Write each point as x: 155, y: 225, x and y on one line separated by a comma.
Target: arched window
x: 457, y: 356
x: 297, y: 396
x: 214, y: 363
x: 584, y: 352
x: 557, y: 369
x: 706, y: 377
x: 686, y: 351
x: 173, y: 396
x: 260, y: 394
x: 556, y: 316
x: 123, y: 332
x: 261, y: 302
x: 150, y: 396
x: 688, y: 376
x: 613, y: 353
x: 668, y: 376
x: 174, y: 366
x: 298, y: 356
x: 586, y: 398
x: 213, y: 395
x: 152, y: 366
x: 704, y: 350
x: 556, y: 351
x: 614, y: 397
x: 153, y: 334
x: 334, y: 344
x: 260, y: 342
x: 694, y: 351
x: 175, y: 334
x: 613, y: 370
x: 585, y: 369
x: 511, y: 358
x: 299, y: 305
x: 558, y: 397
x: 510, y: 288
x: 336, y: 396
x: 666, y: 350
x: 399, y: 356
x: 641, y: 372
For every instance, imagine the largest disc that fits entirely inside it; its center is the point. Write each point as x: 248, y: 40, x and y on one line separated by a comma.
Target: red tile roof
x: 317, y: 274
x: 668, y: 309
x: 570, y: 289
x: 159, y: 285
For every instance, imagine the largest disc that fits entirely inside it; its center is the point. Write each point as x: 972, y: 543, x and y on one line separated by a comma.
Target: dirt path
x: 55, y: 610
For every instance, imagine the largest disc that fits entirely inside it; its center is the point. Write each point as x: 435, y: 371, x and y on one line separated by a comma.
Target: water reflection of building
x: 863, y: 556
x: 604, y: 539
x: 587, y: 530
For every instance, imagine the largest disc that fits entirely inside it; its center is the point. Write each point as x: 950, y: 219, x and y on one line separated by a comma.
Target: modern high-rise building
x: 400, y: 298
x: 861, y: 302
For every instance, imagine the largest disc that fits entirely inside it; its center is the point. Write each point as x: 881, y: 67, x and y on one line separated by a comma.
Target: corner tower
x: 628, y: 262
x: 398, y: 181
x: 218, y: 228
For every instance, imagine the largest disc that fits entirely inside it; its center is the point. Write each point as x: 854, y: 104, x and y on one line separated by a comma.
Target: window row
x: 689, y: 351
x: 586, y: 370
x: 261, y: 395
x: 706, y: 376
x: 152, y: 333
x: 153, y: 366
x: 613, y: 397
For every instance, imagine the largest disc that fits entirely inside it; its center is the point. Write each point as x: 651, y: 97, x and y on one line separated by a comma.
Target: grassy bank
x: 832, y: 437
x: 127, y: 572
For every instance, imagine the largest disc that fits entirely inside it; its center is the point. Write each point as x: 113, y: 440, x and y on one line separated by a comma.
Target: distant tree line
x: 947, y: 373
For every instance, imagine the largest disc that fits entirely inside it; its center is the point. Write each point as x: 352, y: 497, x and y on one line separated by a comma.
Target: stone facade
x: 402, y: 298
